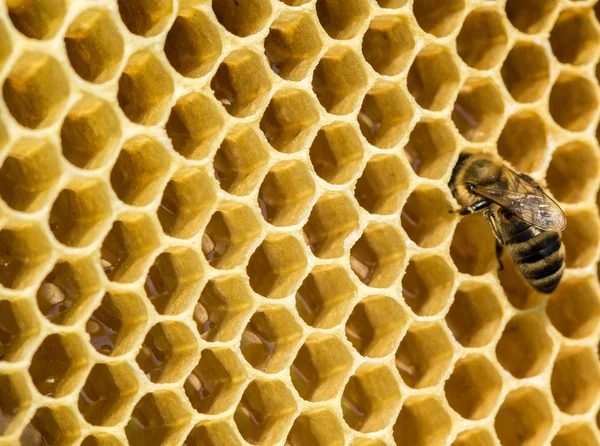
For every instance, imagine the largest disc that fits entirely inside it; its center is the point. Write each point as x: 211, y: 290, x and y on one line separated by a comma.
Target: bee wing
x: 526, y: 199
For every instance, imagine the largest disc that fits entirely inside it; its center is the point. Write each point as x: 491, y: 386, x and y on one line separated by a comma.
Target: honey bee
x: 523, y: 218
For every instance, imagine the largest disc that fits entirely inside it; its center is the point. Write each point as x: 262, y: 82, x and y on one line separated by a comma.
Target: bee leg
x: 473, y: 208
x: 499, y: 244
x: 499, y: 255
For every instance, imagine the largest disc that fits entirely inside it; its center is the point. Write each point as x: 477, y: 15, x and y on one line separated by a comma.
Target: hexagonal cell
x: 242, y: 19
x: 286, y: 193
x: 187, y: 203
x: 526, y: 72
x: 388, y: 44
x: 424, y: 355
x: 433, y: 78
x: 139, y: 172
x: 29, y: 174
x: 530, y: 16
x: 292, y: 45
x: 525, y: 348
x: 94, y: 46
x: 371, y: 398
x: 475, y: 314
x: 18, y: 329
x: 240, y: 161
x: 436, y: 19
x: 23, y: 252
x: 472, y: 247
x: 336, y: 153
x: 264, y: 415
x: 573, y: 102
x: 194, y: 126
x: 38, y: 19
x: 219, y: 432
x: 580, y: 237
x: 289, y: 119
x: 378, y: 255
x: 127, y: 247
x: 56, y: 425
x: 430, y: 149
x: 565, y: 186
x: 241, y: 83
x: 118, y: 324
x: 317, y: 427
x: 427, y: 284
x: 193, y: 43
x: 108, y: 393
x: 174, y: 280
x: 222, y: 309
x: 478, y: 110
x: 215, y: 383
x: 145, y: 87
x: 383, y: 185
x: 525, y: 417
x: 168, y: 352
x: 277, y: 266
x: 100, y: 439
x: 574, y: 308
x: 342, y: 19
x: 59, y: 364
x: 339, y: 79
x: 36, y: 90
x: 474, y: 437
x: 15, y: 399
x: 145, y: 17
x: 425, y: 216
x: 523, y: 141
x: 332, y: 220
x: 576, y: 434
x: 385, y: 115
x: 482, y: 40
x: 575, y: 37
x: 270, y: 339
x: 158, y: 418
x: 422, y: 422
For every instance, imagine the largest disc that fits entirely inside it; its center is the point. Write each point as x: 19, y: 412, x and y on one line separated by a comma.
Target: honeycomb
x: 226, y: 222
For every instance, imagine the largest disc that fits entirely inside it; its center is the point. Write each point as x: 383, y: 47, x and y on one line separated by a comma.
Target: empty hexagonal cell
x: 108, y: 393
x: 576, y: 434
x: 187, y: 203
x: 18, y: 329
x: 36, y: 90
x: 59, y: 364
x: 223, y: 307
x: 383, y: 185
x: 270, y: 339
x: 478, y: 110
x: 241, y: 83
x: 289, y: 120
x: 292, y: 45
x: 482, y: 40
x: 378, y: 255
x: 216, y: 382
x: 526, y: 72
x: 15, y: 399
x: 525, y: 417
x: 264, y: 414
x: 424, y: 355
x: 145, y: 88
x: 427, y: 284
x: 472, y: 247
x: 318, y: 427
x: 168, y: 352
x: 523, y: 141
x: 286, y: 193
x: 118, y: 324
x: 145, y: 17
x: 38, y: 19
x: 240, y: 161
x: 573, y: 102
x: 422, y: 422
x: 475, y: 314
x: 474, y: 437
x: 219, y: 432
x: 473, y: 388
x: 158, y: 418
x: 574, y: 308
x: 575, y: 36
x: 174, y: 280
x: 56, y: 425
x: 94, y: 46
x: 277, y: 266
x: 388, y: 44
x: 385, y: 115
x: 242, y: 19
x: 524, y: 349
x: 564, y: 185
x: 139, y: 173
x: 425, y: 216
x: 193, y: 43
x: 342, y: 19
x: 126, y: 248
x: 580, y: 238
x: 436, y: 19
x: 371, y: 398
x: 336, y: 153
x: 430, y: 149
x: 530, y: 16
x: 28, y: 175
x: 433, y: 78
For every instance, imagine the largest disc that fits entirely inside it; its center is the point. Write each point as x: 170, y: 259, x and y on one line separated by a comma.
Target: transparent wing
x: 526, y: 199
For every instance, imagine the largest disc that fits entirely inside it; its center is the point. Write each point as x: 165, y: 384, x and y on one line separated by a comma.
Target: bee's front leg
x: 499, y: 244
x: 473, y: 208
